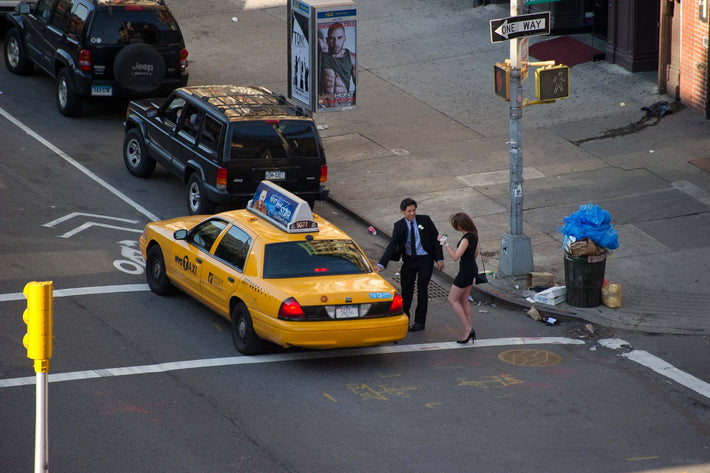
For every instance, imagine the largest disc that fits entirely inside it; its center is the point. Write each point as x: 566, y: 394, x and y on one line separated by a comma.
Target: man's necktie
x: 412, y: 245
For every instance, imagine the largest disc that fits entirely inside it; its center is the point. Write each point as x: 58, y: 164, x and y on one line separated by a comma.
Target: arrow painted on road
x: 90, y: 224
x: 522, y: 26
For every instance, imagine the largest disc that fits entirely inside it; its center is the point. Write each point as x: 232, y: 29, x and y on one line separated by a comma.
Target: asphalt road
x: 144, y: 383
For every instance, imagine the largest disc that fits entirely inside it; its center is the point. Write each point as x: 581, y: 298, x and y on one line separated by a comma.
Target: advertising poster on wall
x: 300, y: 73
x: 337, y: 59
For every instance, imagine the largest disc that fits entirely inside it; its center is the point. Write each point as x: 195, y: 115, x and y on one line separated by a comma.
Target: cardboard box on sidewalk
x: 543, y: 280
x: 552, y: 296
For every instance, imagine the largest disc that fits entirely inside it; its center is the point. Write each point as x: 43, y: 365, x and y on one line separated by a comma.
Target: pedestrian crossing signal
x: 501, y: 80
x: 552, y: 82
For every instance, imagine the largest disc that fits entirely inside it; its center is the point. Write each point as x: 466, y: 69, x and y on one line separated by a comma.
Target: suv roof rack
x: 249, y: 101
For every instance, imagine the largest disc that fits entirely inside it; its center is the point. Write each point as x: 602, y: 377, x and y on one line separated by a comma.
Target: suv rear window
x: 298, y: 259
x: 126, y: 27
x: 273, y: 140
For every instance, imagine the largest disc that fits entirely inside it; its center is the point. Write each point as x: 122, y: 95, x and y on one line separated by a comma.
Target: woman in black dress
x: 466, y: 253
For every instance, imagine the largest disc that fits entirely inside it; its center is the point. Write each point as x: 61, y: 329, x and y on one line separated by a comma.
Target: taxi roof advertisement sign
x: 282, y: 208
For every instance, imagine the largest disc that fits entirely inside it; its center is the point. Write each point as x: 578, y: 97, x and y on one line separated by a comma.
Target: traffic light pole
x: 41, y: 431
x: 39, y: 317
x: 515, y: 247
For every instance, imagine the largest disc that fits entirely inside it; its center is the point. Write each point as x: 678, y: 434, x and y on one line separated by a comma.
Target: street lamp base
x: 515, y: 255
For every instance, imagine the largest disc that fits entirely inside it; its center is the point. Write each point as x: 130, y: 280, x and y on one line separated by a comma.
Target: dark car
x: 223, y: 140
x: 98, y: 48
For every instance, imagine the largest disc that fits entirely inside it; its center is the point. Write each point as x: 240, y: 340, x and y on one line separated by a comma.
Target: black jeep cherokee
x: 223, y: 140
x: 105, y: 48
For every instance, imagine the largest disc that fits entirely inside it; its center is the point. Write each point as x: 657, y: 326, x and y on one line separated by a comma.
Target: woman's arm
x: 456, y: 255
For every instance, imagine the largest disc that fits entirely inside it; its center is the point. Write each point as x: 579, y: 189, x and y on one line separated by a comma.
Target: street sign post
x: 516, y: 247
x: 504, y: 29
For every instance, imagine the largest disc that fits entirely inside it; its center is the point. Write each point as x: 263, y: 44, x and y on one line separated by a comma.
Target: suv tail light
x: 84, y: 60
x: 272, y: 121
x: 396, y: 307
x: 221, y: 178
x: 133, y: 8
x: 323, y: 173
x: 291, y: 310
x: 183, y: 59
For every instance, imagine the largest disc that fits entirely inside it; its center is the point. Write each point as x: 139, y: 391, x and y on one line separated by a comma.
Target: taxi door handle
x: 231, y: 279
x: 199, y: 260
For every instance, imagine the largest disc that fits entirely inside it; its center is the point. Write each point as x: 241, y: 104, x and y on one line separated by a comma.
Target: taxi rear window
x: 299, y: 259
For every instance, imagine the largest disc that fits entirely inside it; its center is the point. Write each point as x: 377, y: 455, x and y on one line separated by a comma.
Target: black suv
x: 223, y: 140
x: 105, y: 48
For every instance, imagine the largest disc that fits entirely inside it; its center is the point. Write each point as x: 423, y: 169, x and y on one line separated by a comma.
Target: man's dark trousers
x: 421, y: 269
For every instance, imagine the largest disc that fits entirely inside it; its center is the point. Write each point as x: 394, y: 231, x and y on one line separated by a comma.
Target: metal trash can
x: 584, y: 278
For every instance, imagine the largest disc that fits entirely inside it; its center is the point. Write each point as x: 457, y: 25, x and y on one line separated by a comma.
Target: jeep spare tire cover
x: 139, y: 68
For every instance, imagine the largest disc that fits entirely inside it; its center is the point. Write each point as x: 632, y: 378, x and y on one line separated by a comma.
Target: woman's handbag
x: 481, y: 278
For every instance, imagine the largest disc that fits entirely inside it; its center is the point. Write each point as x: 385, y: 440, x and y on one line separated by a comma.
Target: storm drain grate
x: 436, y: 290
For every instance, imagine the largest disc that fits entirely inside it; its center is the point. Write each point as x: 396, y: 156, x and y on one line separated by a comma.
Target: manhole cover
x: 589, y: 332
x: 529, y: 357
x: 436, y: 290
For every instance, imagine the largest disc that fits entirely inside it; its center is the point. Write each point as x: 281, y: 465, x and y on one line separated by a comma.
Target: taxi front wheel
x: 155, y: 272
x: 243, y: 334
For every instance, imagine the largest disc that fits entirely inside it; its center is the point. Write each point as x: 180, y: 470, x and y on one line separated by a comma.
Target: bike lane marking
x: 78, y: 166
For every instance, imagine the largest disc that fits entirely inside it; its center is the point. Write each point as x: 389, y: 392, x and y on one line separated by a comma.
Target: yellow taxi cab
x: 279, y: 272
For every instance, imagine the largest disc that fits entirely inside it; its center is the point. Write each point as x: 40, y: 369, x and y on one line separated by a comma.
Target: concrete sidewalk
x: 428, y: 125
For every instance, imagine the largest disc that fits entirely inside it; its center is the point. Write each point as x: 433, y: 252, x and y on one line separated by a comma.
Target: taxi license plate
x: 102, y: 90
x: 275, y: 175
x: 346, y: 311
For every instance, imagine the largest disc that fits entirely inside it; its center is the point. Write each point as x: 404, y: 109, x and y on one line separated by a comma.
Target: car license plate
x: 102, y: 90
x: 346, y: 311
x: 275, y: 175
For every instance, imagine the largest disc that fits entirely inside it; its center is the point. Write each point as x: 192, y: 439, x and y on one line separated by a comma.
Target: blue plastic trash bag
x: 593, y: 222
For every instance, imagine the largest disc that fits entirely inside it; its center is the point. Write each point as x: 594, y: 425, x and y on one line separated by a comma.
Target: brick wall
x: 693, y: 83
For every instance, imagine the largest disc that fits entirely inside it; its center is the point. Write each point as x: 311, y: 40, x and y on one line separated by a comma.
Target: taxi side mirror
x: 180, y: 234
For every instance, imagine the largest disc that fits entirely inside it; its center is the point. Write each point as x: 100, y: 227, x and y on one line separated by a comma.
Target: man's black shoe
x: 416, y: 327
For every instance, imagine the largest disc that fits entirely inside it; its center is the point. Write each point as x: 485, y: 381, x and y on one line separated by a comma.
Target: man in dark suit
x: 414, y: 241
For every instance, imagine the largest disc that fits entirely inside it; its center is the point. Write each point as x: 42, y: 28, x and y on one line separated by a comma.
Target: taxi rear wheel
x: 155, y: 272
x: 243, y: 334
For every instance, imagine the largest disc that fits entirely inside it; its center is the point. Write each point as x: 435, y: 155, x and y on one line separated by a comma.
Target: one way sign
x: 504, y: 29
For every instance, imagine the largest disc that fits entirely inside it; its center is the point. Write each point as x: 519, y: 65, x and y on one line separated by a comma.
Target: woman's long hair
x: 462, y: 222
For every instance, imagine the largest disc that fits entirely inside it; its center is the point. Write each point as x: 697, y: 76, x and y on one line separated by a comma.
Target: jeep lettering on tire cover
x: 139, y: 68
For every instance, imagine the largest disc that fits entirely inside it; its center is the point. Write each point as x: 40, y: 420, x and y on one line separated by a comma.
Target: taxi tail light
x: 221, y: 178
x: 291, y: 310
x: 396, y: 307
x: 183, y: 59
x: 323, y: 173
x: 84, y: 60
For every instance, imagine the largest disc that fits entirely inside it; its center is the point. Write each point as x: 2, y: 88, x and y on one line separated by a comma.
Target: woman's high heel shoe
x: 471, y: 336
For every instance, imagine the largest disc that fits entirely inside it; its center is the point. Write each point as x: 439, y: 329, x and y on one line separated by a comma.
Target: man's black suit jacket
x: 427, y: 235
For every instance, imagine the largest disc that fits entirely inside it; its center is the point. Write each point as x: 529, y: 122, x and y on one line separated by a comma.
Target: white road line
x: 78, y: 165
x: 284, y: 357
x: 669, y: 371
x: 82, y: 291
x: 639, y: 356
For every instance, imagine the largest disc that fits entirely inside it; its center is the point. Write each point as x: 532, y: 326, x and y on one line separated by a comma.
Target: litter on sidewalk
x: 552, y: 296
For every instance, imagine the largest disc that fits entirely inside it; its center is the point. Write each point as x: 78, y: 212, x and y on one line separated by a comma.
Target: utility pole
x: 515, y: 247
